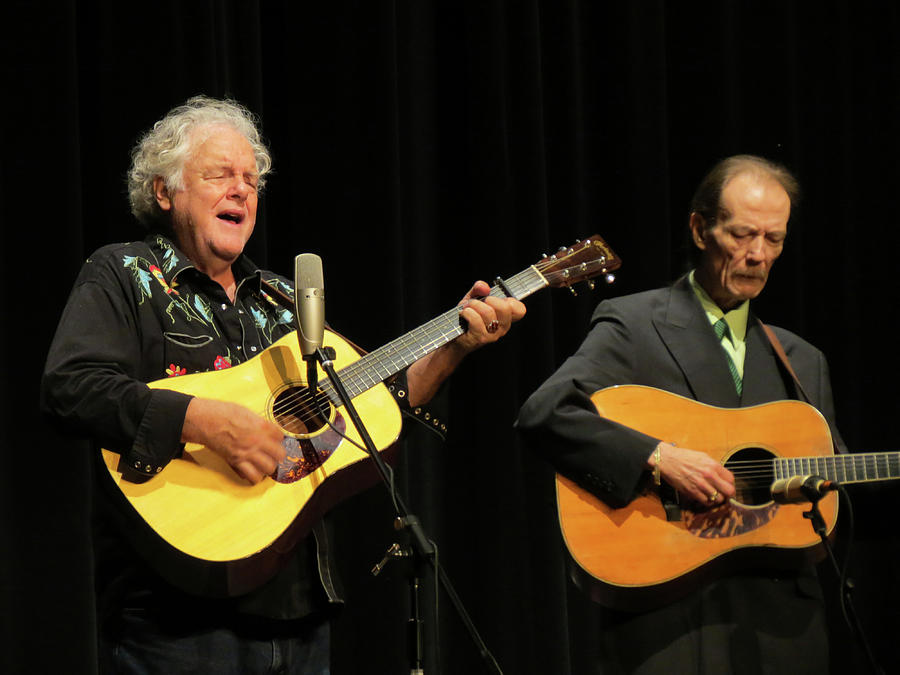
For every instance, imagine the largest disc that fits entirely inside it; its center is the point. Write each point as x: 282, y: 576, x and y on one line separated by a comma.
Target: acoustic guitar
x: 655, y: 550
x: 212, y: 533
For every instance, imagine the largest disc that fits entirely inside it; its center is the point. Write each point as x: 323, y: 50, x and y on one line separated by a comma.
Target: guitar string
x: 302, y: 398
x: 759, y: 473
x: 303, y: 401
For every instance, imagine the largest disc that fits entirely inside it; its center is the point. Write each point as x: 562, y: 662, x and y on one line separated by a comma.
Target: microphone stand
x: 420, y: 548
x: 814, y: 515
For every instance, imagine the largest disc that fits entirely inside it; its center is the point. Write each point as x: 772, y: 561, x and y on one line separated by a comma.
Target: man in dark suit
x: 697, y: 338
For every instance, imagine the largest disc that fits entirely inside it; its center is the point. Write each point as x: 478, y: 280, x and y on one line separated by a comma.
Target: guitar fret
x: 857, y: 465
x: 862, y: 467
x: 793, y: 468
x: 779, y: 469
x: 379, y: 365
x: 521, y: 285
x: 374, y: 368
x: 834, y: 469
x: 820, y: 466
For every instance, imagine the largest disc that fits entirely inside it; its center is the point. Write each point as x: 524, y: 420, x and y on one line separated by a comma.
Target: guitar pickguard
x: 752, y: 507
x: 728, y: 520
x: 305, y: 455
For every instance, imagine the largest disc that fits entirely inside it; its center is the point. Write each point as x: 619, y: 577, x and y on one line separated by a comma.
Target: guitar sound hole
x: 753, y: 471
x: 297, y: 411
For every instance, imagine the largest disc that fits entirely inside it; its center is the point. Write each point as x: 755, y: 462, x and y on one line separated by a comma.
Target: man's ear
x: 162, y: 194
x: 698, y: 230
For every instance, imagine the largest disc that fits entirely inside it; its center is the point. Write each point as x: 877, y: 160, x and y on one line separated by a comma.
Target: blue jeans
x: 137, y: 645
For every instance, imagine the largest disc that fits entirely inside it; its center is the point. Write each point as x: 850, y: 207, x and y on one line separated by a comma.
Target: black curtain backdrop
x: 420, y: 145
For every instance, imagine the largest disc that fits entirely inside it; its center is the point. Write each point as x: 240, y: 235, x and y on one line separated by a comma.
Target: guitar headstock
x: 587, y: 259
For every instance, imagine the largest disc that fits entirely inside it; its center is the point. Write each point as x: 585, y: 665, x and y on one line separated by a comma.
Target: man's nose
x: 239, y: 189
x: 756, y: 249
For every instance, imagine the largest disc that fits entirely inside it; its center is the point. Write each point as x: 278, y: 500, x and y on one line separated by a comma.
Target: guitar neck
x: 379, y: 365
x: 851, y: 468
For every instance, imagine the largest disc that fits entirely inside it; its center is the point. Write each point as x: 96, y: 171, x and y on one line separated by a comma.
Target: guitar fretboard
x: 379, y: 365
x: 851, y: 468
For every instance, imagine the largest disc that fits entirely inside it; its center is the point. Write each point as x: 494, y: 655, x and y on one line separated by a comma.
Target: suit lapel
x: 763, y: 378
x: 683, y: 327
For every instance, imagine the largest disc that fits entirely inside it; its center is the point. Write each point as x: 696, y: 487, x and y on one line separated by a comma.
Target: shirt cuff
x: 399, y: 388
x: 158, y: 439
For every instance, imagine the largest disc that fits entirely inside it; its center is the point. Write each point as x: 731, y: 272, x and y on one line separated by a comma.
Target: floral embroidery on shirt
x: 195, y: 309
x: 141, y: 276
x: 260, y: 318
x: 170, y: 260
x: 157, y: 273
x: 266, y: 321
x: 202, y: 306
x: 196, y: 337
x: 175, y: 371
x: 284, y: 316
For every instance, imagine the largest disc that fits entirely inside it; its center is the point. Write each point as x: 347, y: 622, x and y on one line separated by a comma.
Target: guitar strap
x: 779, y: 350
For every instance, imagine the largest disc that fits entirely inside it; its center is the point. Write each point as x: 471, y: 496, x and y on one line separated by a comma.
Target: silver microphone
x: 309, y: 302
x: 798, y: 489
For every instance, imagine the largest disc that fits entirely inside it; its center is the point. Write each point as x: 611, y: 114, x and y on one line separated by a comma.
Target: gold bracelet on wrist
x: 657, y: 458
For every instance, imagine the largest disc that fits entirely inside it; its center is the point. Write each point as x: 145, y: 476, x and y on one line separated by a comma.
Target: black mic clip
x: 326, y: 354
x: 814, y: 488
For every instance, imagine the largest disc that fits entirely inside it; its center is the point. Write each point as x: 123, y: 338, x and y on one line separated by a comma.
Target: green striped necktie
x: 721, y: 328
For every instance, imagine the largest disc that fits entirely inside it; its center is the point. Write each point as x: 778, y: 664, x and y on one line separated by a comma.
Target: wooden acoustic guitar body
x: 639, y: 556
x: 213, y: 533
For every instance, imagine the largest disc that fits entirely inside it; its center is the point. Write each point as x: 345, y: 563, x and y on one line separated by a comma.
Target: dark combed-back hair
x: 707, y: 200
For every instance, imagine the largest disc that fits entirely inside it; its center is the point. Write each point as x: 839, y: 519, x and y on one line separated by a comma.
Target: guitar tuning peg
x: 543, y: 255
x: 591, y: 284
x: 572, y: 290
x: 610, y: 278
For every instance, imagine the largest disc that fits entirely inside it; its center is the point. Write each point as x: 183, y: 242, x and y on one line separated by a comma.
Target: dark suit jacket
x: 756, y: 621
x: 660, y: 339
